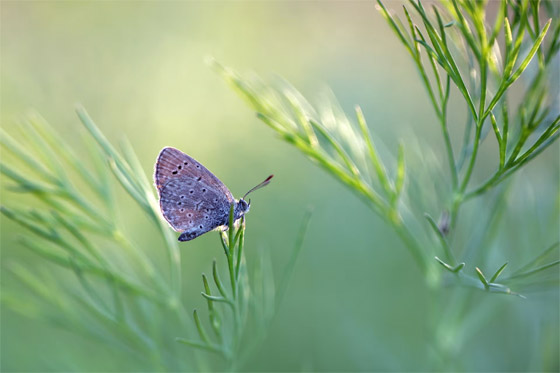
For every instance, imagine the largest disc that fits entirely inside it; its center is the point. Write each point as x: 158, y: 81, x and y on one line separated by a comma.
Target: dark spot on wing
x: 174, y: 172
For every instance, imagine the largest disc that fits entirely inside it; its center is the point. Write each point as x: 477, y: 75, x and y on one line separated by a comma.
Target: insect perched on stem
x: 191, y: 198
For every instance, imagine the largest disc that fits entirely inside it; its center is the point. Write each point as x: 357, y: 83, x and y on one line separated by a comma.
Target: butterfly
x: 191, y: 198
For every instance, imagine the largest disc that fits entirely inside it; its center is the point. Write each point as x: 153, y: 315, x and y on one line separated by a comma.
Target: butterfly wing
x: 193, y: 206
x: 173, y: 163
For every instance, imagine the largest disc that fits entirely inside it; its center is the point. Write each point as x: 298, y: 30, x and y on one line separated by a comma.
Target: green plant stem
x: 472, y: 161
x: 230, y: 254
x: 449, y: 149
x: 232, y: 275
x: 411, y: 244
x: 234, y: 287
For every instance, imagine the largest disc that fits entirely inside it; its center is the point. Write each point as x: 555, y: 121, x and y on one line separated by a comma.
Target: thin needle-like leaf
x: 482, y: 278
x: 293, y: 257
x: 399, y: 179
x: 202, y: 346
x: 538, y: 258
x: 498, y: 272
x: 534, y: 271
x: 374, y: 159
x: 217, y: 280
x: 443, y: 241
x: 200, y: 328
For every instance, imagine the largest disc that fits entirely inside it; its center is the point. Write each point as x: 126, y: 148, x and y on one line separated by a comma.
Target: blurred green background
x: 356, y: 301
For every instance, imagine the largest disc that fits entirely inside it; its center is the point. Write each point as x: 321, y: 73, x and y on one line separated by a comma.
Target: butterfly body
x: 192, y: 199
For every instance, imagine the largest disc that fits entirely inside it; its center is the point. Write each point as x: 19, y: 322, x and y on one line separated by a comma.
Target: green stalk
x: 472, y: 159
x: 449, y: 145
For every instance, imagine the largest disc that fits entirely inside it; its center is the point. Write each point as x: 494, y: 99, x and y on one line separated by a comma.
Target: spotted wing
x: 193, y: 207
x: 173, y: 163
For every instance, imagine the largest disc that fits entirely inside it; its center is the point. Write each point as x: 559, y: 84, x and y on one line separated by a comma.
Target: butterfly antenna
x: 263, y: 184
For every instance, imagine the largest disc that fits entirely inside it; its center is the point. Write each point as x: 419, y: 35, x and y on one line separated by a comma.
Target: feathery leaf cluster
x: 74, y: 225
x: 454, y: 49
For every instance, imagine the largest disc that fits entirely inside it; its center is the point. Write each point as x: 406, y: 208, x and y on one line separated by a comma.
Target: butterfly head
x: 241, y: 208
